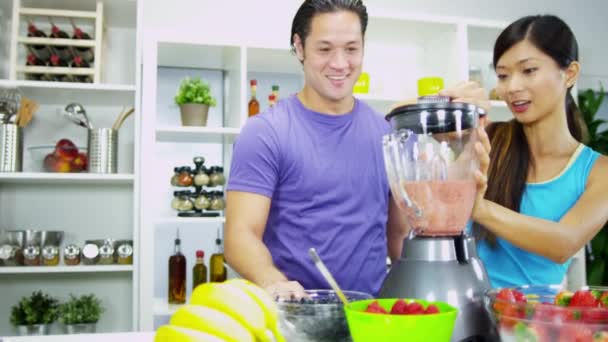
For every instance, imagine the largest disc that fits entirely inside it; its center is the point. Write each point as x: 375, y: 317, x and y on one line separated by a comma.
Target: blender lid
x: 438, y: 117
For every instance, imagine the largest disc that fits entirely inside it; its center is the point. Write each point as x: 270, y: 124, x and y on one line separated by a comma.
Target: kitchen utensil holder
x: 102, y: 147
x: 11, y: 148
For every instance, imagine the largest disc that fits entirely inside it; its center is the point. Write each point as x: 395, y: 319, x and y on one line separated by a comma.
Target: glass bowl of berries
x: 401, y: 320
x: 549, y: 313
x: 319, y: 317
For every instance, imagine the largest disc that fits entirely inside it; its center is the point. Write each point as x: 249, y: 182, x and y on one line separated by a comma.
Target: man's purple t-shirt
x: 326, y: 180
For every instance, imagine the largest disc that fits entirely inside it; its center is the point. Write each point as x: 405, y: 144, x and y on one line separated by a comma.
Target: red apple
x: 63, y: 143
x: 49, y: 162
x: 80, y: 162
x: 62, y: 165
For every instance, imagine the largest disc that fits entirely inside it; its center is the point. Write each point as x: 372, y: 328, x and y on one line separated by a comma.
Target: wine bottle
x: 64, y: 52
x: 86, y: 53
x: 33, y: 61
x: 78, y: 62
x: 42, y: 52
x: 177, y: 275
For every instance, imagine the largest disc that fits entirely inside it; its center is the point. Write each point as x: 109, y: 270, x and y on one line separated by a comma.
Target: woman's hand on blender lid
x: 469, y: 92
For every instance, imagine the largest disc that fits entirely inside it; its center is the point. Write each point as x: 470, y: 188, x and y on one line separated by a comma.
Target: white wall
x: 271, y: 20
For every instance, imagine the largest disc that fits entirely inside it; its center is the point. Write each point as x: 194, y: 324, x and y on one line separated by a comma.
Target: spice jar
x: 50, y: 256
x: 71, y: 255
x: 184, y: 179
x: 31, y: 255
x: 201, y: 178
x: 90, y: 254
x: 106, y: 254
x: 176, y: 200
x: 216, y: 176
x: 217, y: 201
x: 202, y: 201
x: 125, y: 254
x: 175, y: 176
x: 185, y: 203
x: 11, y: 255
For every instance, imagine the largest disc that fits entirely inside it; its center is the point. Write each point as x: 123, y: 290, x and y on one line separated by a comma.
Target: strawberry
x: 503, y: 297
x: 584, y: 299
x: 563, y: 298
x: 519, y: 296
x: 414, y: 308
x: 431, y: 309
x: 374, y: 307
x: 399, y: 308
x: 604, y: 299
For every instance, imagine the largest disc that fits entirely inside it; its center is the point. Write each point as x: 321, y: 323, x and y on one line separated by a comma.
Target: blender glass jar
x: 431, y: 162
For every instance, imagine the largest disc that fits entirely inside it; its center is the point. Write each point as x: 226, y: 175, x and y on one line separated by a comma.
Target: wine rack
x: 89, y: 73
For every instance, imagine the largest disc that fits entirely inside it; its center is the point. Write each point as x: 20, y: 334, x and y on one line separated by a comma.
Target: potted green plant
x: 33, y: 315
x: 597, y: 249
x: 80, y: 314
x: 194, y: 99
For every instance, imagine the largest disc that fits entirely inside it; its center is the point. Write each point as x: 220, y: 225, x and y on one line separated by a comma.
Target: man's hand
x: 285, y: 289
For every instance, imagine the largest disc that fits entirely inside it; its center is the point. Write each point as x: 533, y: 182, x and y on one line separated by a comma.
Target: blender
x: 430, y: 162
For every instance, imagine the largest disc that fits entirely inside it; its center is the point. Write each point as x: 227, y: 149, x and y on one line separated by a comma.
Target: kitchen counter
x: 113, y: 337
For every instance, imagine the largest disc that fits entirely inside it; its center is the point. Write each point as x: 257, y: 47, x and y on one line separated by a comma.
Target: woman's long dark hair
x: 510, y: 155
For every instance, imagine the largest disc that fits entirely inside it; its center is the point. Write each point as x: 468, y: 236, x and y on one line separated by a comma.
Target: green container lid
x: 275, y: 87
x: 429, y: 86
x: 371, y: 327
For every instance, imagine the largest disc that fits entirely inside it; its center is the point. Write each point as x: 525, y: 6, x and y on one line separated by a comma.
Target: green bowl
x: 373, y: 327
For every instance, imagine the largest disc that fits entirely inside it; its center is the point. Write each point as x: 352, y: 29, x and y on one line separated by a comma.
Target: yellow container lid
x: 429, y: 86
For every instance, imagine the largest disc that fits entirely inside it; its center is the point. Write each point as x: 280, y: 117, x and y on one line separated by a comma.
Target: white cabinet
x: 85, y: 206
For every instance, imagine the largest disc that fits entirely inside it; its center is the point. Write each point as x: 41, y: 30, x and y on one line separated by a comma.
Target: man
x: 309, y: 172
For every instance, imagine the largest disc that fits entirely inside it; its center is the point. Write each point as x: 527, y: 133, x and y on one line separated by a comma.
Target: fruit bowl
x: 318, y: 318
x: 549, y: 313
x: 50, y: 158
x: 400, y: 325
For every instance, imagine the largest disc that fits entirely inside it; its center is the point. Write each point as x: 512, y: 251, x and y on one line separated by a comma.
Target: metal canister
x: 11, y: 148
x: 11, y: 255
x: 71, y: 255
x: 102, y: 148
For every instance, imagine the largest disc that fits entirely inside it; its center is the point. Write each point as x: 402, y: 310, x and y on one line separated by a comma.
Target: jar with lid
x: 90, y: 254
x: 184, y: 179
x: 50, y: 256
x: 31, y: 255
x: 175, y: 202
x: 11, y: 255
x: 217, y: 201
x: 216, y: 176
x: 201, y: 176
x: 203, y: 200
x: 175, y: 176
x: 71, y: 255
x: 184, y: 202
x: 125, y: 254
x: 106, y: 254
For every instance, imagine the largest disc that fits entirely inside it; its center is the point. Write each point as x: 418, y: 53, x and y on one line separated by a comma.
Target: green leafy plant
x: 39, y: 308
x: 83, y: 309
x: 597, y: 250
x: 194, y: 91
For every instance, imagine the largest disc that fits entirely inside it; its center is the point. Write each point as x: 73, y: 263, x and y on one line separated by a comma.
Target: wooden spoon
x: 121, y: 118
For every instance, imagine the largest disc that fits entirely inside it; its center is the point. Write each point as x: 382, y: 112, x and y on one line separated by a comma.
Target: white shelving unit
x: 65, y: 269
x: 85, y: 206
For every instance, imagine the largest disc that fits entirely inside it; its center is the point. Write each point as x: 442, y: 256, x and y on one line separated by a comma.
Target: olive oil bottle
x: 177, y: 275
x: 217, y: 268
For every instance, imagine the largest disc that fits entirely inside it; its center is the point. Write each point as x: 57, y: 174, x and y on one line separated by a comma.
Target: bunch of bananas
x: 233, y: 311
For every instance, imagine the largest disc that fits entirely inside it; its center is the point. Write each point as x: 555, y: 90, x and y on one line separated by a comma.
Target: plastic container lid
x: 430, y: 86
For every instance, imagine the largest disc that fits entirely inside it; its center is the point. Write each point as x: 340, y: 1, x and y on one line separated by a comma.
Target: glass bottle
x: 216, y: 264
x: 271, y: 100
x: 85, y: 52
x: 254, y: 105
x: 275, y: 92
x: 199, y: 271
x: 177, y: 275
x: 64, y: 52
x: 78, y: 62
x: 33, y: 61
x: 42, y: 52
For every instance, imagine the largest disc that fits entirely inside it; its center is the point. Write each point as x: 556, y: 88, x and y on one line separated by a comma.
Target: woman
x: 547, y: 193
